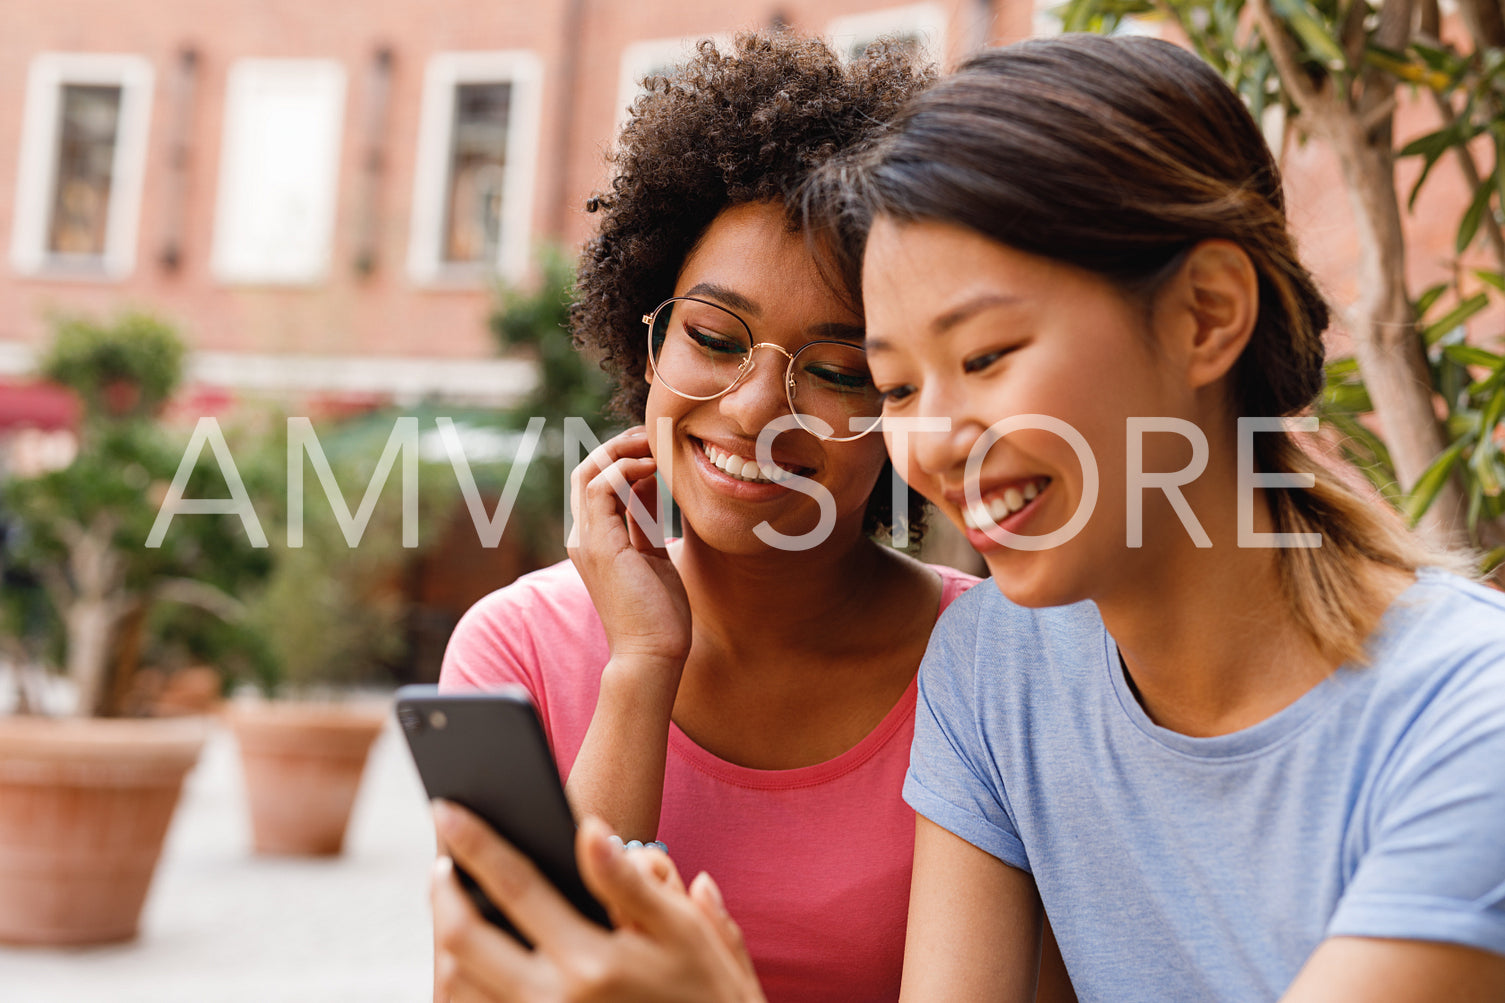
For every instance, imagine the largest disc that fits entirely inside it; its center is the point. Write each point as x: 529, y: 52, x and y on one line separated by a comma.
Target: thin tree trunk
x: 1383, y: 325
x: 93, y: 612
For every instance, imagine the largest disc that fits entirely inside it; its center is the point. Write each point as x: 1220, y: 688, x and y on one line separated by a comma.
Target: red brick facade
x: 367, y: 301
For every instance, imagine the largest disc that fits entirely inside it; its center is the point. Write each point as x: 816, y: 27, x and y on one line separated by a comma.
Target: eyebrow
x: 837, y: 331
x: 730, y: 297
x: 825, y: 331
x: 956, y: 315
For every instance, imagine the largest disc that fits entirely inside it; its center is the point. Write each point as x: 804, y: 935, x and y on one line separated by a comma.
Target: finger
x: 706, y: 895
x: 648, y: 539
x: 628, y: 895
x: 655, y: 865
x: 613, y: 494
x: 632, y: 443
x: 466, y: 943
x: 511, y: 881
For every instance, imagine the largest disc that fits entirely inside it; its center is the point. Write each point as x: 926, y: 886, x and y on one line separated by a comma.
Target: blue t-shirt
x: 1180, y: 868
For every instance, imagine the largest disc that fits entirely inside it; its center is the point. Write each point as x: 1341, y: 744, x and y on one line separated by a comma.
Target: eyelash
x: 978, y: 363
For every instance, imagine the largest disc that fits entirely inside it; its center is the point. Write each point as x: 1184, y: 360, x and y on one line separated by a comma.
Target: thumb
x: 706, y: 895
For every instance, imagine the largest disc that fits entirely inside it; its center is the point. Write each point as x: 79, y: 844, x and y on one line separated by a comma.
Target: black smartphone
x: 488, y: 752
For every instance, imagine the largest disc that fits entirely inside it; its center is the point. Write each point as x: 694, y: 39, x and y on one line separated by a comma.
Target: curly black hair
x: 722, y: 130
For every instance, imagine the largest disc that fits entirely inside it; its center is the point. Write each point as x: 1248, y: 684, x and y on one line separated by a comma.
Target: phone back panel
x: 488, y: 752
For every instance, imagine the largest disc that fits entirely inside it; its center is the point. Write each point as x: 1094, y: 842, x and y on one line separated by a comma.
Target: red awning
x: 36, y: 405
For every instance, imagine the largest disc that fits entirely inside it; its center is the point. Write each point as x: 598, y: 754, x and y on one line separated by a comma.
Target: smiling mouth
x: 989, y: 512
x: 743, y: 469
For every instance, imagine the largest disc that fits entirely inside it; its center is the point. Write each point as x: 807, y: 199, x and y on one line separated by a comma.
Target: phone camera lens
x: 410, y: 719
x: 437, y: 720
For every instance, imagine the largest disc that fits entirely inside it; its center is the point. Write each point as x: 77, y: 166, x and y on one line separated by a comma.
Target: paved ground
x: 225, y: 926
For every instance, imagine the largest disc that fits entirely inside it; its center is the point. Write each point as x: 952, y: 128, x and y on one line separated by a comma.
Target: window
x: 83, y: 151
x: 279, y: 171
x: 920, y: 25
x: 477, y: 149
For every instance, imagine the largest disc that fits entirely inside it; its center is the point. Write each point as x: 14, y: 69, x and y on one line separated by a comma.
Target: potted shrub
x: 330, y: 617
x: 86, y: 798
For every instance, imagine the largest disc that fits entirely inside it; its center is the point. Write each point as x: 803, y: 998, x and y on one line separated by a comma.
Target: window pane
x: 478, y: 154
x: 89, y: 125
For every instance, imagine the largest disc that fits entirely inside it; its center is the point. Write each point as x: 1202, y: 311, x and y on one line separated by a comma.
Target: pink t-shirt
x: 814, y: 862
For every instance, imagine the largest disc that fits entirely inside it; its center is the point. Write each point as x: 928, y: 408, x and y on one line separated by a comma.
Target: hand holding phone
x: 488, y: 752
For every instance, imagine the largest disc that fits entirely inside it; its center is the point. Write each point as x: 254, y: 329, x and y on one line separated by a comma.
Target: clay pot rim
x: 361, y: 714
x: 105, y: 740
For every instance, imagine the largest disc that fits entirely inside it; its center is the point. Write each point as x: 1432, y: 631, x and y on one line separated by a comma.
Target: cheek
x: 869, y: 458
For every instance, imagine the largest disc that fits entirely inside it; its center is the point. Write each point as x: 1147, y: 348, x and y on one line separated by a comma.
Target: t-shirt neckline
x: 1278, y: 727
x: 708, y: 763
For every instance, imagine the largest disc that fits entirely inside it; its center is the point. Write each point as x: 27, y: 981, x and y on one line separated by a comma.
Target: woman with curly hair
x: 744, y: 694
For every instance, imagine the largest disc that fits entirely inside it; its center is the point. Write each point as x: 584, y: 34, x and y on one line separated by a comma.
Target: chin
x: 1033, y: 588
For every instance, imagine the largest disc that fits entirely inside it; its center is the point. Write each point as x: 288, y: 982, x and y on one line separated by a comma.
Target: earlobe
x: 1220, y: 292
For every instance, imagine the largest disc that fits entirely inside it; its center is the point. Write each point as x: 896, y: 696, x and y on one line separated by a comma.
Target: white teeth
x: 989, y: 513
x: 774, y: 473
x: 744, y: 469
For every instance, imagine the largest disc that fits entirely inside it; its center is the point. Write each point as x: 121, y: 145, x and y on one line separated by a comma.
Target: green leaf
x: 1425, y: 300
x: 1342, y: 367
x: 1454, y: 318
x: 1474, y: 214
x: 1493, y: 411
x: 1431, y: 146
x: 1430, y: 483
x: 1470, y: 355
x: 1350, y: 397
x: 1315, y: 35
x: 1484, y: 465
x: 1490, y: 278
x: 1491, y: 560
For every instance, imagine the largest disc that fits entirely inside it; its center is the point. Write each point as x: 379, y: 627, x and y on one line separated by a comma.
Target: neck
x: 779, y: 599
x: 1207, y: 635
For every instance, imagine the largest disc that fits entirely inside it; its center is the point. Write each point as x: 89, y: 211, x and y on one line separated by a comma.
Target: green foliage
x: 84, y: 527
x: 1470, y: 381
x: 329, y: 614
x: 127, y: 367
x: 1465, y: 80
x: 534, y: 323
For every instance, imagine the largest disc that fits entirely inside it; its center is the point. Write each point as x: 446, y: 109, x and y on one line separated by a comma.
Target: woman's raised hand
x: 668, y: 945
x: 618, y: 548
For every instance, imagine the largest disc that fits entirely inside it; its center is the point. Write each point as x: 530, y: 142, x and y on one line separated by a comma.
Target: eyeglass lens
x: 700, y: 350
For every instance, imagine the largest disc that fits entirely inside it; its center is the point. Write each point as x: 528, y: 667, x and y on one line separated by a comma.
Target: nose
x: 761, y: 395
x: 944, y: 454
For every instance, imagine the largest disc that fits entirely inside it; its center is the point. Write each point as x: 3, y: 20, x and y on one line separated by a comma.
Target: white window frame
x: 36, y: 176
x: 446, y: 71
x: 224, y: 257
x: 644, y: 57
x: 928, y: 20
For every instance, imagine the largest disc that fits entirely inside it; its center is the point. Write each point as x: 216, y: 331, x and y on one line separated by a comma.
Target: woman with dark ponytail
x: 1230, y: 723
x: 1238, y: 732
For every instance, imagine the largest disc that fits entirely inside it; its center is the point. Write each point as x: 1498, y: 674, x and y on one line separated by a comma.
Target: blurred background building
x: 319, y: 195
x: 324, y: 198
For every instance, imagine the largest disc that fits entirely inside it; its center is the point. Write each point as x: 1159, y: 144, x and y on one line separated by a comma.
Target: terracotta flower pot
x: 84, y: 807
x: 303, y: 765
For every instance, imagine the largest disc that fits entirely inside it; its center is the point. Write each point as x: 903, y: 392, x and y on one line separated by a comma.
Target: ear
x: 1210, y: 307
